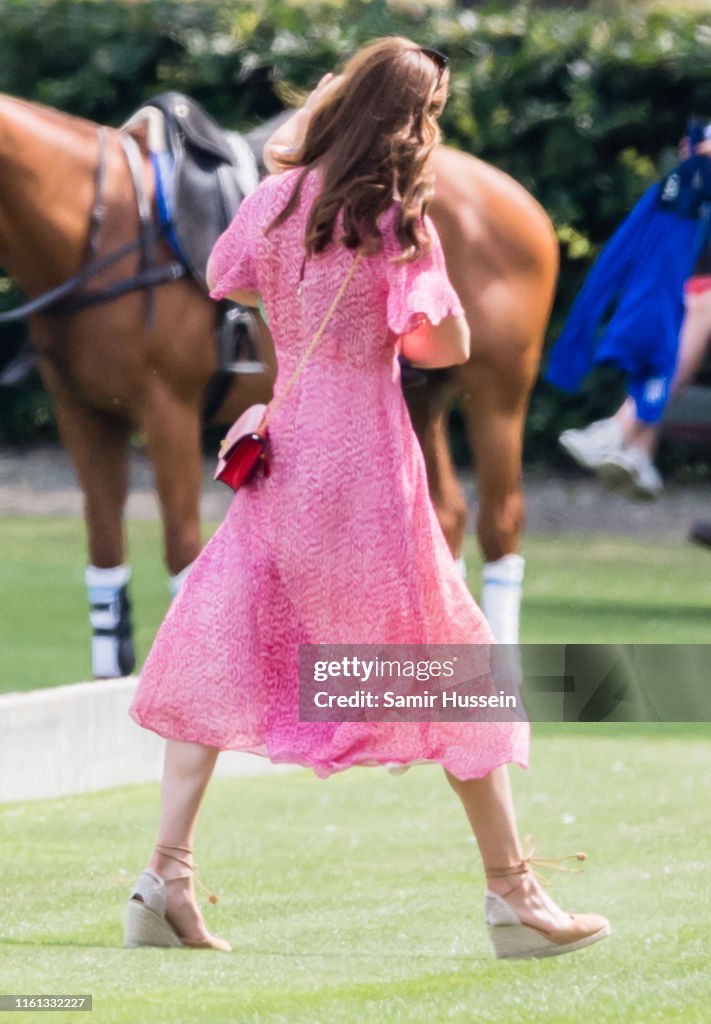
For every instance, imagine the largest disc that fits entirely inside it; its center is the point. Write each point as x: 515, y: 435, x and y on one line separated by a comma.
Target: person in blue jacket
x: 621, y: 448
x: 654, y: 287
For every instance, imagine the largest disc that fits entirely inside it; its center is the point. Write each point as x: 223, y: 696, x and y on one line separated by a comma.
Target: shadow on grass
x: 606, y: 731
x: 584, y: 607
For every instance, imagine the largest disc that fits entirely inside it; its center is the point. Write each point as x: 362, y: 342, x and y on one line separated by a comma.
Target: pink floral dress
x: 340, y: 544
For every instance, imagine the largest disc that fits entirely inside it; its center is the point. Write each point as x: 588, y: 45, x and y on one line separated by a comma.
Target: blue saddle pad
x: 164, y: 172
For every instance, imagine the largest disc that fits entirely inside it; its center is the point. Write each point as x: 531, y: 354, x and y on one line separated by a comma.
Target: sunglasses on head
x: 440, y: 59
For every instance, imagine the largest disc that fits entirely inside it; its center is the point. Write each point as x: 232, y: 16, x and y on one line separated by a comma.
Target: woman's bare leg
x: 186, y: 772
x: 488, y: 804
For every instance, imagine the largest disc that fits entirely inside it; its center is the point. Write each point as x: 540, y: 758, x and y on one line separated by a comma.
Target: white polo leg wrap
x: 176, y: 582
x: 110, y: 616
x: 501, y: 597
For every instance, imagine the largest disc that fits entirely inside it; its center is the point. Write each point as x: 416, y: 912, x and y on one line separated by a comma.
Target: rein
x: 68, y: 297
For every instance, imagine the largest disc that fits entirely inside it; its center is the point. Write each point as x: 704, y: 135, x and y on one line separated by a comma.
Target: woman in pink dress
x: 340, y: 543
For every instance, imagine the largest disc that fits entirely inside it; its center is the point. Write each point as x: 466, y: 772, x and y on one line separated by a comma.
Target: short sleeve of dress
x: 232, y: 264
x: 420, y: 289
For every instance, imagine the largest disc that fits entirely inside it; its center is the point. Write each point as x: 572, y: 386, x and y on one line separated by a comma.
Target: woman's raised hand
x: 326, y: 85
x: 289, y: 135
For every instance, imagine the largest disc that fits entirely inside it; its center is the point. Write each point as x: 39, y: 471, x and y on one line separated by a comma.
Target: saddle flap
x: 201, y: 174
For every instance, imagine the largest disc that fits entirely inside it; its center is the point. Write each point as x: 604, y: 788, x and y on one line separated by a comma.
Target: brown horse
x: 110, y: 373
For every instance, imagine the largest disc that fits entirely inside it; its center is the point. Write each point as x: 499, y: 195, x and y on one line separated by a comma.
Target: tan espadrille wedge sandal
x: 146, y: 921
x: 513, y: 940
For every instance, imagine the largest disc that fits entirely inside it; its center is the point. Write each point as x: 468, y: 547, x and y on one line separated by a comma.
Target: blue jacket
x: 630, y: 309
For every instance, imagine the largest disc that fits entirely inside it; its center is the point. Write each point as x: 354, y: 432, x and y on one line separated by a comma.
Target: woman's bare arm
x: 436, y: 345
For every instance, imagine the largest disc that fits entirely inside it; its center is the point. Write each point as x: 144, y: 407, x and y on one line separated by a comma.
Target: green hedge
x: 584, y: 107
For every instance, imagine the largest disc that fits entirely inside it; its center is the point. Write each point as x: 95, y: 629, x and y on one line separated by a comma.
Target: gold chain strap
x: 276, y: 403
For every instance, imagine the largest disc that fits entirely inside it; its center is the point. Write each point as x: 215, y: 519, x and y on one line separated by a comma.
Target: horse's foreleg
x: 429, y: 407
x: 172, y: 431
x: 97, y: 448
x: 494, y: 417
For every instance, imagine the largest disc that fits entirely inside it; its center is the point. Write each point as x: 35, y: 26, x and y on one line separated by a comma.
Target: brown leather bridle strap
x: 69, y: 297
x: 146, y: 230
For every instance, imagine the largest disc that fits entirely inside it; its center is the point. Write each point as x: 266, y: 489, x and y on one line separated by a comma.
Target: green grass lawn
x: 578, y: 590
x: 359, y: 899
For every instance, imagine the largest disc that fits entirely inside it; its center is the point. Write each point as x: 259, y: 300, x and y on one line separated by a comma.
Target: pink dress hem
x: 325, y: 769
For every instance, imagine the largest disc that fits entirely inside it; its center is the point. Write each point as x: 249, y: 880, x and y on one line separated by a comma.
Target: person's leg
x: 488, y: 804
x: 186, y: 772
x: 632, y: 467
x: 693, y: 339
x: 619, y: 450
x: 605, y: 439
x: 626, y: 419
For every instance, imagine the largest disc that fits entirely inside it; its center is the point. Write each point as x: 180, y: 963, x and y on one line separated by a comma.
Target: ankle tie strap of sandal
x: 529, y: 863
x: 190, y: 864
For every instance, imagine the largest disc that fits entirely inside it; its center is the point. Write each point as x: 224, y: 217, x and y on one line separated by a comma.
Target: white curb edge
x: 79, y: 739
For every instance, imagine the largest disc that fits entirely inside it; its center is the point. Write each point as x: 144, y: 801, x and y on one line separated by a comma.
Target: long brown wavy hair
x: 372, y: 137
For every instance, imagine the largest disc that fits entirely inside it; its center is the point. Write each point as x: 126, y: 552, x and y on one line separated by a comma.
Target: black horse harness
x: 202, y: 174
x: 70, y: 296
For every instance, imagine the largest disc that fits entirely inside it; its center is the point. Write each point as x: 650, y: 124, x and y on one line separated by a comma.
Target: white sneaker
x: 590, y: 447
x: 632, y: 471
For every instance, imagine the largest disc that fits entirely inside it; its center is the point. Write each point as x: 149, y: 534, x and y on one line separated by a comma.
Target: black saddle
x: 202, y: 174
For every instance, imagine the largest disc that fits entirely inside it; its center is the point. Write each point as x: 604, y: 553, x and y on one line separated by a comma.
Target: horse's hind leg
x: 97, y: 446
x: 172, y: 430
x: 429, y: 407
x: 494, y: 406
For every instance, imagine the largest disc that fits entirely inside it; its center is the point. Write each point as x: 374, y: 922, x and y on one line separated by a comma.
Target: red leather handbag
x: 243, y: 451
